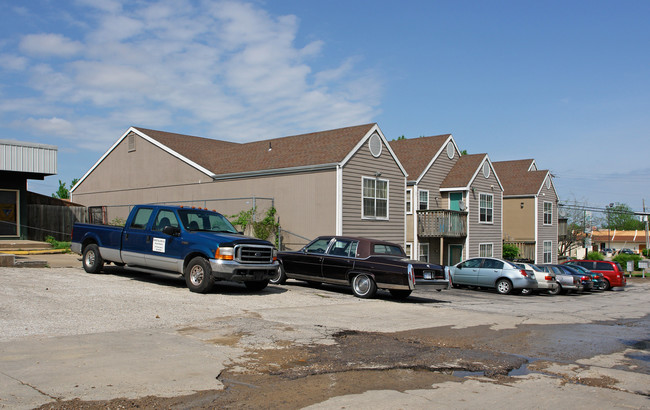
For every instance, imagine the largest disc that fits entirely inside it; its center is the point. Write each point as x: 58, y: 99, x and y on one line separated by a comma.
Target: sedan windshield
x: 205, y: 221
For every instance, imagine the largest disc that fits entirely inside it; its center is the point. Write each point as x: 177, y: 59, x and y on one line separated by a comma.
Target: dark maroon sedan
x: 364, y: 264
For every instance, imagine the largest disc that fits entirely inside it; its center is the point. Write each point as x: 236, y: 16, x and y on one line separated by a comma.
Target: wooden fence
x: 53, y: 220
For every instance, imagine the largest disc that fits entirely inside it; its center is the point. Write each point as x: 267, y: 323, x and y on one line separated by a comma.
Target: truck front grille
x: 254, y: 254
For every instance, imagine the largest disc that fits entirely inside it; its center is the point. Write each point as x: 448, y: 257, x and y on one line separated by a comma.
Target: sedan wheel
x: 279, y: 278
x: 363, y: 286
x: 504, y: 286
x: 526, y: 292
x: 555, y: 291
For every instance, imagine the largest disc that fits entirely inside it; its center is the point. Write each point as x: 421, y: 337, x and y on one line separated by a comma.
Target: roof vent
x: 374, y: 144
x: 450, y: 150
x: 486, y: 169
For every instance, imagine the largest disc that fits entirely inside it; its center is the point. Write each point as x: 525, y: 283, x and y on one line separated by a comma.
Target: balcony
x: 442, y: 223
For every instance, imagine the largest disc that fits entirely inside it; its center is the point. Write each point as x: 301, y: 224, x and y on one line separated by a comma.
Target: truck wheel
x: 400, y: 293
x: 198, y: 275
x: 363, y: 286
x: 279, y: 278
x: 92, y: 260
x: 256, y: 285
x: 504, y: 287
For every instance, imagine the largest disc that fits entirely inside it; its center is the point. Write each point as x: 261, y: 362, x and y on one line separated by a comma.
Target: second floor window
x: 548, y: 213
x: 424, y: 200
x: 375, y: 198
x: 485, y: 208
x: 409, y: 201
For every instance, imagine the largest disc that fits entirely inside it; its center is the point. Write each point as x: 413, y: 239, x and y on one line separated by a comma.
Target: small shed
x: 20, y: 161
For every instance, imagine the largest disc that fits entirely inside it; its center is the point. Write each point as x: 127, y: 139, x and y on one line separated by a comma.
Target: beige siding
x: 485, y: 232
x: 546, y: 232
x: 434, y: 177
x: 363, y: 164
x: 518, y: 222
x: 305, y: 202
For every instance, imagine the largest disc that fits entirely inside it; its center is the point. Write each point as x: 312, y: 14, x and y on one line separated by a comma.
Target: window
x: 385, y: 249
x: 492, y: 264
x: 548, y: 251
x: 485, y: 208
x: 343, y: 247
x: 409, y: 201
x: 165, y: 218
x: 424, y: 252
x: 409, y: 250
x: 485, y: 250
x: 318, y: 246
x: 141, y: 218
x: 548, y: 213
x: 375, y: 198
x: 424, y: 200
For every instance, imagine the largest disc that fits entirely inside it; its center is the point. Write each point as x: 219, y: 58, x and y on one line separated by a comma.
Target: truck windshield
x: 206, y: 221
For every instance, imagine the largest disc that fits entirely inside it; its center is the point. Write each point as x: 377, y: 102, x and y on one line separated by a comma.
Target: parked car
x: 545, y: 280
x: 585, y: 279
x: 627, y: 251
x: 363, y: 264
x: 199, y: 244
x: 567, y: 283
x: 597, y: 278
x: 607, y: 251
x: 612, y: 271
x: 505, y: 276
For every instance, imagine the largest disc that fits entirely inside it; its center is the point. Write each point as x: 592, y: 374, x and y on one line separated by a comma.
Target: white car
x: 545, y: 280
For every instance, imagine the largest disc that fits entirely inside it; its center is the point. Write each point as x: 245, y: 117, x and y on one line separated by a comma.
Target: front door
x: 455, y: 199
x: 455, y: 254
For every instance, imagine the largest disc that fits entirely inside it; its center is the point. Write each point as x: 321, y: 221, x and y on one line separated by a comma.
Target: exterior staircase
x: 12, y: 251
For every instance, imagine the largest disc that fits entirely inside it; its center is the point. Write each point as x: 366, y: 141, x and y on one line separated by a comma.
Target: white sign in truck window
x: 159, y: 245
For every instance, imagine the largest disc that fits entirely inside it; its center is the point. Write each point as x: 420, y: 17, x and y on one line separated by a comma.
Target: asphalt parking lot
x: 70, y: 338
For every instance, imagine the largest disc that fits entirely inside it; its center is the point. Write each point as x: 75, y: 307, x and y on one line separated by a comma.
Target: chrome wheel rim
x: 362, y: 284
x: 503, y: 286
x: 90, y: 258
x: 196, y: 275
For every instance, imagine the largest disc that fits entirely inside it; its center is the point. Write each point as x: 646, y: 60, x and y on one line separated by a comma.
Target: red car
x: 612, y: 271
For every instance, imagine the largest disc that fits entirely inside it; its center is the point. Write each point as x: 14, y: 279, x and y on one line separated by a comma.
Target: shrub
x: 510, y: 252
x: 646, y: 253
x: 57, y: 244
x: 595, y: 256
x: 622, y: 258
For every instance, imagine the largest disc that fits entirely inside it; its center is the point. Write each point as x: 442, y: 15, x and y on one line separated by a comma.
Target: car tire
x: 504, y: 287
x: 256, y: 285
x: 364, y: 286
x: 279, y: 278
x: 400, y: 293
x: 607, y: 286
x: 92, y: 260
x: 198, y: 275
x: 555, y: 291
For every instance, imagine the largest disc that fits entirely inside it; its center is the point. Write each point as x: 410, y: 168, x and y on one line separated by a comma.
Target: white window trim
x: 491, y: 250
x: 544, y: 213
x: 409, y: 200
x: 376, y: 218
x: 421, y: 253
x: 428, y: 197
x: 409, y: 253
x: 479, y: 209
x: 550, y: 251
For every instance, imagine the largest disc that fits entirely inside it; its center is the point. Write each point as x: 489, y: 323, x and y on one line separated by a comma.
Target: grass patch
x: 57, y: 244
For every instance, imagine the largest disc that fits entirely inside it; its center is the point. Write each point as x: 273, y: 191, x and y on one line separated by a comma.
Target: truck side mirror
x: 172, y: 230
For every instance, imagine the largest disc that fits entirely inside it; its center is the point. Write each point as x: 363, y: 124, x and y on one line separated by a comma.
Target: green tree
x: 63, y: 192
x: 463, y: 152
x: 401, y: 137
x: 510, y: 252
x: 622, y: 218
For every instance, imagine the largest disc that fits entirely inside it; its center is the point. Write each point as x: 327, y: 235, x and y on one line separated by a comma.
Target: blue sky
x: 564, y: 82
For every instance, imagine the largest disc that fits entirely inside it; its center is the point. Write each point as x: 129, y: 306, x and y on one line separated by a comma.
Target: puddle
x: 463, y: 374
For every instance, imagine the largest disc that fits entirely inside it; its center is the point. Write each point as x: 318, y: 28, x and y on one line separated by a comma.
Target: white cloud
x: 49, y: 45
x: 12, y: 62
x: 227, y: 70
x: 56, y: 126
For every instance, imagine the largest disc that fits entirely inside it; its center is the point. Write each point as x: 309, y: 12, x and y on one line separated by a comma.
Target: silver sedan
x: 496, y: 273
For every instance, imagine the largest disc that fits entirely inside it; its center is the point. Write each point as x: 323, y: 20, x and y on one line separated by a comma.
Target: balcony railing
x: 442, y: 223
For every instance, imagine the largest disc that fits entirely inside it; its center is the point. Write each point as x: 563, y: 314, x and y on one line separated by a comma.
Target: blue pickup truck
x: 199, y: 244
